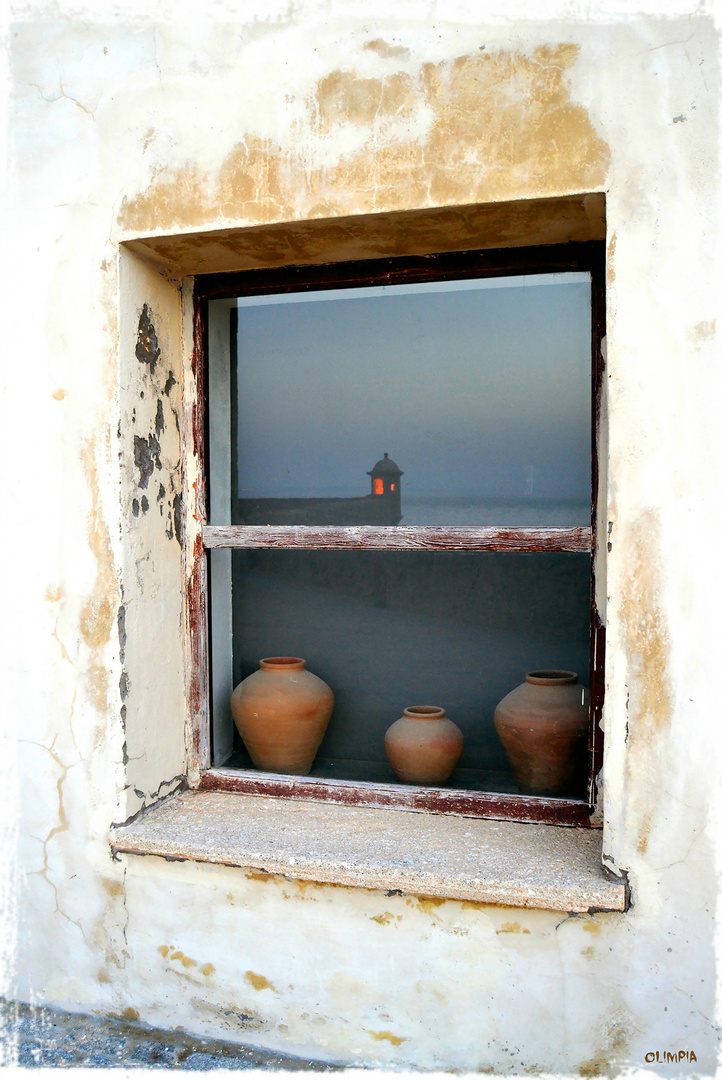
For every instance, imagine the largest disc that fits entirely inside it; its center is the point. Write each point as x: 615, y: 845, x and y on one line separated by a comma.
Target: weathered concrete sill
x: 489, y: 862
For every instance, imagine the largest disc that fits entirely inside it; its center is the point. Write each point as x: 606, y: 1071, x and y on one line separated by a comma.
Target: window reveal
x: 488, y: 576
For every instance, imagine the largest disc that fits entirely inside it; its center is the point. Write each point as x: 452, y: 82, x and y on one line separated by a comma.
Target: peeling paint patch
x: 158, y: 452
x: 178, y: 517
x: 122, y: 633
x: 146, y: 454
x: 512, y: 928
x: 147, y: 350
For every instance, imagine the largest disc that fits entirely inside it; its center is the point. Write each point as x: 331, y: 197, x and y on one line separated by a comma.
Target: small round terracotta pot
x: 543, y: 727
x: 282, y: 712
x: 424, y: 746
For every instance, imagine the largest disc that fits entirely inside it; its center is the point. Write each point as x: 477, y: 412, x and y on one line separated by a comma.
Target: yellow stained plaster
x: 113, y: 888
x: 611, y: 1056
x: 389, y: 1036
x: 259, y: 982
x: 386, y: 51
x: 646, y: 637
x: 499, y: 126
x: 98, y: 615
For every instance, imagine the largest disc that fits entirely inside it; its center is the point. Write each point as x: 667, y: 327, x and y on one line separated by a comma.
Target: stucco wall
x: 155, y: 122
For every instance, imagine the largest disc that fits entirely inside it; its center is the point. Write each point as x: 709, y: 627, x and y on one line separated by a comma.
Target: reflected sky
x: 478, y: 389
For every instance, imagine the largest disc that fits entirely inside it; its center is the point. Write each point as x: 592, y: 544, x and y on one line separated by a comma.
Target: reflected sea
x: 431, y: 510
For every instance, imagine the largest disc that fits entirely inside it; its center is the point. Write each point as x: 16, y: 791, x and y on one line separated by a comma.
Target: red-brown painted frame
x: 586, y: 256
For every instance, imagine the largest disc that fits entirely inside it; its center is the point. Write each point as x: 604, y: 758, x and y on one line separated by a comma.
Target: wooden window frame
x: 580, y: 256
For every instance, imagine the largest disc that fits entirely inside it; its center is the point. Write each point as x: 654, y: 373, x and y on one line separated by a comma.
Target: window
x: 465, y: 387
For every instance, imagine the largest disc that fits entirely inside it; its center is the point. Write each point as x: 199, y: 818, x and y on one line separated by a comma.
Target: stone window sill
x: 487, y: 862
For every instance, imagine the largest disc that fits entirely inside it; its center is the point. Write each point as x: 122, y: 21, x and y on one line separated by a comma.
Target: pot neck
x: 551, y: 678
x: 424, y: 712
x: 282, y: 663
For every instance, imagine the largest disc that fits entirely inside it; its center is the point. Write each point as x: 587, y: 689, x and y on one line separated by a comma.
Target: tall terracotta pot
x: 543, y: 727
x: 282, y: 712
x: 424, y: 746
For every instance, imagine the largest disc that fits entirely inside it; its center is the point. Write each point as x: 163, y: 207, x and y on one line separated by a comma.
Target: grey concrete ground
x: 32, y: 1036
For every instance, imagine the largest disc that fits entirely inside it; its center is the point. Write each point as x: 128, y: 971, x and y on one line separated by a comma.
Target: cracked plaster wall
x: 140, y: 124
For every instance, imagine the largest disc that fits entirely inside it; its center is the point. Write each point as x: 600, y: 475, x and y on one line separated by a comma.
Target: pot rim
x: 424, y: 712
x: 282, y: 663
x: 551, y: 677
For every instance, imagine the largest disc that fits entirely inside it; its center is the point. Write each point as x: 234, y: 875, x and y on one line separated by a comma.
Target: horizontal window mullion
x: 399, y: 537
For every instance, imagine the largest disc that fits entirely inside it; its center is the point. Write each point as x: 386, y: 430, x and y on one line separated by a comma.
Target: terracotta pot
x: 282, y: 712
x: 424, y: 746
x: 543, y: 727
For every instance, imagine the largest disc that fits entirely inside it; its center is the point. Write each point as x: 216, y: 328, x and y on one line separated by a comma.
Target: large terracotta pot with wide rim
x: 424, y: 746
x: 543, y: 726
x: 282, y: 712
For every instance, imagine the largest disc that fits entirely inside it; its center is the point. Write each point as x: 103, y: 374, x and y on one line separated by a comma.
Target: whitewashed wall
x: 155, y: 119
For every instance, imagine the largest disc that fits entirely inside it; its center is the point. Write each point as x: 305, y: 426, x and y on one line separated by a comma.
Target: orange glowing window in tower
x: 378, y: 485
x: 393, y: 487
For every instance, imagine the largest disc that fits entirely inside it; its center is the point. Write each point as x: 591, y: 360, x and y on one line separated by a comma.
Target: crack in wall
x: 62, y: 826
x: 64, y: 95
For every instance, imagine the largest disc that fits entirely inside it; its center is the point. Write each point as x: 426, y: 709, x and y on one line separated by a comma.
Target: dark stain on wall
x: 124, y: 686
x: 146, y: 453
x: 147, y: 349
x: 178, y: 518
x: 152, y: 454
x: 124, y: 681
x: 122, y: 633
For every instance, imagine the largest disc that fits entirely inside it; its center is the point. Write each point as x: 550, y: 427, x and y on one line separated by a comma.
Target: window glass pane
x: 478, y: 391
x: 387, y: 630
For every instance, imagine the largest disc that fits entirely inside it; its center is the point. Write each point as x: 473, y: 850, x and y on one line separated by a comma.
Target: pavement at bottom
x: 39, y: 1036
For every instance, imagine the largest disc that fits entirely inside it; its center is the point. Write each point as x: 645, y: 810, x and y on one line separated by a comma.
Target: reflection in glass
x: 477, y: 391
x: 387, y: 630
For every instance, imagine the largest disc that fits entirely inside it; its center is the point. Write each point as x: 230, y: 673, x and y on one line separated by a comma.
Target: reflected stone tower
x: 386, y: 484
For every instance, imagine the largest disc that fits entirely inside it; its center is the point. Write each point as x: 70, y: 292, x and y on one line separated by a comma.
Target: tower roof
x: 385, y: 466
